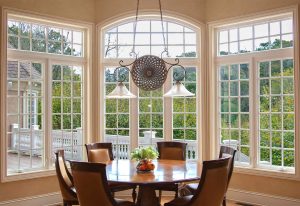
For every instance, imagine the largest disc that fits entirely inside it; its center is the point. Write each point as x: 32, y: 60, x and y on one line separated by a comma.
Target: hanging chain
x: 135, y: 25
x: 162, y: 27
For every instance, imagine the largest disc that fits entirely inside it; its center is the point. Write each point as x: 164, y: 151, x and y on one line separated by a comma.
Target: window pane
x: 25, y: 113
x: 67, y: 104
x: 234, y: 109
x: 276, y: 126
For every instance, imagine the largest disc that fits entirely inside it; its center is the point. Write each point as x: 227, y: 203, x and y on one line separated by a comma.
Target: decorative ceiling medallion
x: 149, y: 72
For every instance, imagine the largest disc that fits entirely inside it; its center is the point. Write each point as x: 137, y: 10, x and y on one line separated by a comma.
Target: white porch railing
x: 28, y: 141
x: 124, y: 145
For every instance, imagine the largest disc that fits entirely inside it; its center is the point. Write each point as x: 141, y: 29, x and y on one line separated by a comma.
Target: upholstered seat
x: 170, y: 151
x: 224, y: 152
x: 92, y: 187
x: 101, y: 152
x: 65, y: 180
x: 212, y: 187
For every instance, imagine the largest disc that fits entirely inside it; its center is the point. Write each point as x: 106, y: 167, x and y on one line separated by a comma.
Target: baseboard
x: 49, y: 199
x: 254, y: 198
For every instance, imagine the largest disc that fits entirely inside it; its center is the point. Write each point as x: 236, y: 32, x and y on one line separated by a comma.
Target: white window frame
x: 252, y: 58
x: 47, y: 60
x: 196, y: 62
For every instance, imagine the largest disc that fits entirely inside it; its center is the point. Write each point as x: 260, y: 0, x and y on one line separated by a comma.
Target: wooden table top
x: 166, y: 171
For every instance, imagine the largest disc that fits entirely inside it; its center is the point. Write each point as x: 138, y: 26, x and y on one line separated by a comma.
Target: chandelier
x: 149, y: 72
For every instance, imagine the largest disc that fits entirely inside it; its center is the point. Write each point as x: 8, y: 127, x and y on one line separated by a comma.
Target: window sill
x: 28, y: 175
x: 287, y: 175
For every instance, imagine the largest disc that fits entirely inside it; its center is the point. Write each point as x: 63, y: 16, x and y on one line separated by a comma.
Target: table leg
x: 147, y: 196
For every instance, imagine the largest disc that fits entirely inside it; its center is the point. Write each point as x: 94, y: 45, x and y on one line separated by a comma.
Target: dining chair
x: 101, y: 152
x: 212, y: 186
x: 224, y: 152
x: 92, y: 187
x: 65, y: 180
x: 170, y: 151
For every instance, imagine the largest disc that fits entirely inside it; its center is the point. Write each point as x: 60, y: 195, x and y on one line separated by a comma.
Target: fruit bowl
x: 145, y: 165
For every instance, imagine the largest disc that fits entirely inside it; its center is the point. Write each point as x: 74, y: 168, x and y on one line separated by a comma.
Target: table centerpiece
x: 144, y: 156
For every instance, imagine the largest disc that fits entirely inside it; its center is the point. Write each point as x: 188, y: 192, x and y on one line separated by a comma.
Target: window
x: 45, y: 93
x: 150, y: 114
x: 267, y: 35
x: 256, y: 110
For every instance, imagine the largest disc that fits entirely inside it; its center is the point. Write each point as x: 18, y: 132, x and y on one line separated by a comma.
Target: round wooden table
x: 166, y: 171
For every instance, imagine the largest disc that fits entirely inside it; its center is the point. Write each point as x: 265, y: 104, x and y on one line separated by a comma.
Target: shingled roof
x: 12, y: 71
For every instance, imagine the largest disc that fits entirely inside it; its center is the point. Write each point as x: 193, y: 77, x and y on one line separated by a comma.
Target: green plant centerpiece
x: 144, y: 156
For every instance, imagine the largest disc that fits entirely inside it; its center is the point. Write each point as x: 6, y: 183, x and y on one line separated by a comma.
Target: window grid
x: 67, y: 112
x: 151, y: 114
x: 116, y: 47
x: 39, y: 38
x: 235, y: 117
x: 116, y: 109
x: 24, y: 78
x: 276, y: 142
x: 184, y: 119
x: 282, y: 38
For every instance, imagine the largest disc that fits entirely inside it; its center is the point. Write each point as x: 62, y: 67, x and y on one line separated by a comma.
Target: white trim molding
x: 255, y: 198
x: 39, y: 200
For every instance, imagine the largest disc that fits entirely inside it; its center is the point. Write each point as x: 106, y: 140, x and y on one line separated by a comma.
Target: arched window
x: 150, y: 117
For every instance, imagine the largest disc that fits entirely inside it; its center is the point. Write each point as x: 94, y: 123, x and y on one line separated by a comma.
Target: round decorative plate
x: 149, y: 72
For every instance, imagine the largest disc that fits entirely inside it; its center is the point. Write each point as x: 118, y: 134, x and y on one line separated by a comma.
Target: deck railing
x: 30, y: 141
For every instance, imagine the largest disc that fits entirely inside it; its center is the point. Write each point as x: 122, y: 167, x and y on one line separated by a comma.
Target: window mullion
x: 254, y: 113
x: 47, y: 114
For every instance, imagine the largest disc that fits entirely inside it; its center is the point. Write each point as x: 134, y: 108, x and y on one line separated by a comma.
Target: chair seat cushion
x: 181, y: 201
x: 121, y: 202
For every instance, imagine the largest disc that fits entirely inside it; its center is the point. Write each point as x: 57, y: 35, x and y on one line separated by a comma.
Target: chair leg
x: 134, y: 194
x: 159, y: 196
x: 224, y: 201
x: 176, y: 193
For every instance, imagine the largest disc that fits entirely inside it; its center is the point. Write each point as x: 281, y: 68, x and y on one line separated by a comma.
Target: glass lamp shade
x: 178, y: 90
x: 120, y: 92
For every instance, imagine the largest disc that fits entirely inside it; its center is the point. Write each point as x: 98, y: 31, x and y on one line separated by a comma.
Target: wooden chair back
x: 99, y: 152
x: 226, y: 151
x: 65, y: 179
x: 172, y: 150
x: 91, y: 184
x: 213, y: 183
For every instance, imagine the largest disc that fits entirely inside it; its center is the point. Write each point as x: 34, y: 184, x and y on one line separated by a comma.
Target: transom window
x: 28, y: 36
x: 181, y: 40
x: 150, y: 113
x: 275, y: 34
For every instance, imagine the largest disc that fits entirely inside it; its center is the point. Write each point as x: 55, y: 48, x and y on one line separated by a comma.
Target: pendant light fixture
x: 150, y: 72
